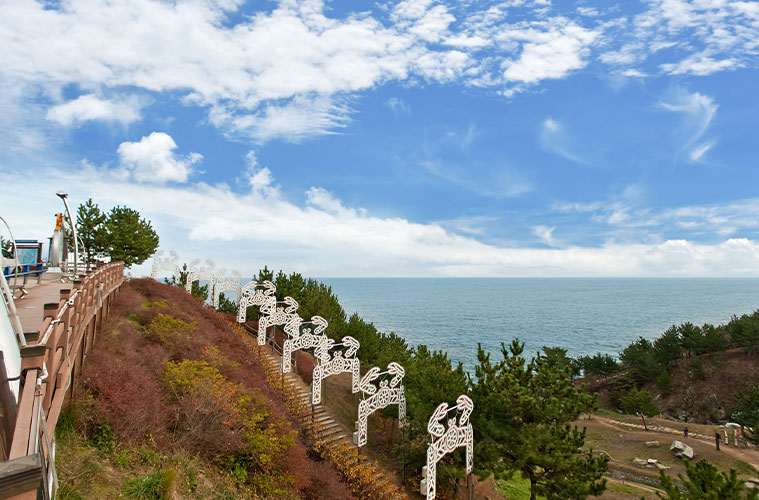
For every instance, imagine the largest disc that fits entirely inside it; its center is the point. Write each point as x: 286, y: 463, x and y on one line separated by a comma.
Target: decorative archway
x: 206, y: 273
x: 225, y: 284
x: 389, y: 392
x: 170, y: 263
x: 276, y: 313
x: 255, y: 293
x: 459, y: 433
x: 340, y: 362
x: 302, y: 337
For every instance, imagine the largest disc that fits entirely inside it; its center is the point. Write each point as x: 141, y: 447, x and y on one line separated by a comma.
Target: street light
x: 63, y: 195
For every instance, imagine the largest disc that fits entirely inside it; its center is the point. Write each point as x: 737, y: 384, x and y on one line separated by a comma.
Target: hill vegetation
x: 695, y: 373
x: 171, y: 404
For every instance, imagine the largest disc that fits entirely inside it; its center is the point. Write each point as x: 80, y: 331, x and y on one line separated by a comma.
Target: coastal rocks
x: 640, y: 462
x: 662, y: 467
x: 652, y: 444
x: 681, y: 450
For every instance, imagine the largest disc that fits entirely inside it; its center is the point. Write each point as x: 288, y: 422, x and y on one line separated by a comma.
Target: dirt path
x: 747, y: 455
x: 649, y: 489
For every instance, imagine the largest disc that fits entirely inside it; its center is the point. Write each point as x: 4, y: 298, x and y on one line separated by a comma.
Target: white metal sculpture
x: 340, y: 362
x: 276, y: 313
x: 302, y: 337
x: 389, y: 392
x: 170, y: 263
x: 225, y: 284
x: 255, y: 293
x: 206, y: 273
x: 459, y: 433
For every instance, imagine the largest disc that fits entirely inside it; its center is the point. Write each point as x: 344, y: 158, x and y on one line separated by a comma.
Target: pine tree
x: 745, y: 411
x: 523, y: 422
x: 128, y: 237
x: 705, y: 482
x: 90, y: 229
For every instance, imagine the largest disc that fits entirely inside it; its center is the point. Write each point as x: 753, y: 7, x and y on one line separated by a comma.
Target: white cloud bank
x: 323, y: 237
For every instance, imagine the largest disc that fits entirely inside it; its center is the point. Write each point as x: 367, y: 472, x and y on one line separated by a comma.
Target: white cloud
x: 700, y: 110
x: 153, y: 160
x: 90, y: 107
x: 562, y: 47
x: 398, y: 106
x: 545, y: 234
x: 700, y: 150
x: 555, y: 139
x: 700, y: 65
x: 323, y: 237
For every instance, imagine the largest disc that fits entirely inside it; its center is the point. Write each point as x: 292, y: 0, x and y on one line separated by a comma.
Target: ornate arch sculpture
x: 276, y: 313
x: 225, y: 284
x: 459, y: 433
x: 302, y: 337
x: 255, y: 293
x: 388, y: 392
x: 340, y: 362
x: 170, y: 263
x: 206, y: 273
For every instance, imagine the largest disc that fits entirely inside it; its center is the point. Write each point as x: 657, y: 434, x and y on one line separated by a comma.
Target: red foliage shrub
x: 125, y: 375
x: 128, y: 397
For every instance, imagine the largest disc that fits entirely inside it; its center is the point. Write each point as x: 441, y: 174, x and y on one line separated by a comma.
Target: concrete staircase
x: 331, y: 432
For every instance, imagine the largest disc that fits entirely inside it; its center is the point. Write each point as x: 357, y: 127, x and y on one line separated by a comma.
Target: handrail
x: 66, y: 333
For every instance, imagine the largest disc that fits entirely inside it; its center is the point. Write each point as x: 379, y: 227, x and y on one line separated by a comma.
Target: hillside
x: 172, y: 404
x: 702, y: 387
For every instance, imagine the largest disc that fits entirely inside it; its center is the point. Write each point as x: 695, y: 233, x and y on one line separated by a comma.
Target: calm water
x: 582, y: 315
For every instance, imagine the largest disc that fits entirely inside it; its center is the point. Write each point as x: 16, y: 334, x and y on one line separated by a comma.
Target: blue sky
x: 411, y: 138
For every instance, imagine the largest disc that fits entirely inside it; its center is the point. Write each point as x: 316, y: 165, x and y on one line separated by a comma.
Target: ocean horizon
x: 581, y: 315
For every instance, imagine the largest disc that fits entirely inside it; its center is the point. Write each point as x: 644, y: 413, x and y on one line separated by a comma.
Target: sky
x: 394, y: 138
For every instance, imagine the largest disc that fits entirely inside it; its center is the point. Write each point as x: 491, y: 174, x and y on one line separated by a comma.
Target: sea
x: 581, y: 315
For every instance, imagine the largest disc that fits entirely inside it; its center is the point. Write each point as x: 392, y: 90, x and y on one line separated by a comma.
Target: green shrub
x: 159, y: 485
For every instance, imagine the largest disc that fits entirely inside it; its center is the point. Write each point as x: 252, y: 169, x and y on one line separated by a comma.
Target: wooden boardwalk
x: 30, y: 307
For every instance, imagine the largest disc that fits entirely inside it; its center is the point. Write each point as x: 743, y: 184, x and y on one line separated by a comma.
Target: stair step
x: 334, y: 438
x: 329, y: 426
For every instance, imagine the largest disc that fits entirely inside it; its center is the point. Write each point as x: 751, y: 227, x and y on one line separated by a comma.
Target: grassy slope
x: 126, y: 436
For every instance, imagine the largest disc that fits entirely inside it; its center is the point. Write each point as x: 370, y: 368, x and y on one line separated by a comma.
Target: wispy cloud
x: 554, y: 138
x: 398, y: 106
x: 545, y: 234
x: 700, y: 110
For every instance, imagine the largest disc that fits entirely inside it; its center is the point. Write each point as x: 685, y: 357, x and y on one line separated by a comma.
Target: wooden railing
x: 51, y: 360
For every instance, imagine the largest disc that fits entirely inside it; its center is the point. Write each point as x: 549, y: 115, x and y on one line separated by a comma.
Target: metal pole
x: 63, y: 195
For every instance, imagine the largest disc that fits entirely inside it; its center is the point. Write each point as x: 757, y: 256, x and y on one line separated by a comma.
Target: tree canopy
x: 745, y: 411
x: 705, y: 482
x: 120, y: 234
x: 523, y: 423
x: 89, y: 227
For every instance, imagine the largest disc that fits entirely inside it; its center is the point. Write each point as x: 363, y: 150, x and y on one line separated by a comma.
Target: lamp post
x: 63, y: 195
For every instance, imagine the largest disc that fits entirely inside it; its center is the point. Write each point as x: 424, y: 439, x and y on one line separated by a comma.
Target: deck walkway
x: 30, y: 307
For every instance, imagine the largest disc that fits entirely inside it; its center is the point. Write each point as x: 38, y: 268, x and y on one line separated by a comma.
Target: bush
x: 159, y: 485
